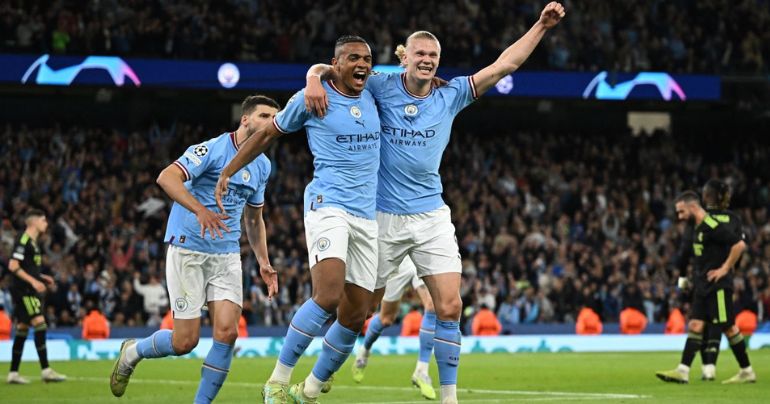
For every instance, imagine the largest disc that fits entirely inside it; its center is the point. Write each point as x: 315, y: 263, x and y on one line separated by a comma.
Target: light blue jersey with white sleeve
x: 346, y: 150
x: 415, y: 132
x: 202, y: 164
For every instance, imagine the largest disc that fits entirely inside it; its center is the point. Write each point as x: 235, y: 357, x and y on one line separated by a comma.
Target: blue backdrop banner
x: 223, y: 75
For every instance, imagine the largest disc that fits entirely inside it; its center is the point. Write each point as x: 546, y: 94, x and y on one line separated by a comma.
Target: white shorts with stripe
x: 194, y: 278
x: 396, y: 286
x: 333, y: 233
x: 427, y: 238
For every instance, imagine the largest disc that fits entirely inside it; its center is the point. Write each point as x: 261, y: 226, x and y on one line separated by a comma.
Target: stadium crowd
x: 703, y: 36
x: 547, y: 223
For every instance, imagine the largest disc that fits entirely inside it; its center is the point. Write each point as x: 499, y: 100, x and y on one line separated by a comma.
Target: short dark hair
x: 687, y: 197
x: 33, y: 212
x: 251, y: 102
x: 716, y: 194
x: 346, y: 39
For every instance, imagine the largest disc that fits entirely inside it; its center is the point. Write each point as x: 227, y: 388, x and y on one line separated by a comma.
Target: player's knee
x: 328, y: 300
x: 353, y: 321
x: 387, y: 319
x: 731, y: 331
x: 695, y: 326
x: 449, y: 309
x: 428, y: 305
x: 226, y: 334
x: 185, y: 345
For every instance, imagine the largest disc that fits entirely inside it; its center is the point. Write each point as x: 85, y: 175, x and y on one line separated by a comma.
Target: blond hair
x: 401, y: 49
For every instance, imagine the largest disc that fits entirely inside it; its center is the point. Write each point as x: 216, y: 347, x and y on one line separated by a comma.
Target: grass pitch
x: 484, y: 378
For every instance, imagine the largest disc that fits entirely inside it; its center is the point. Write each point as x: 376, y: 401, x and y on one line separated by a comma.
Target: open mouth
x: 359, y: 77
x: 425, y: 69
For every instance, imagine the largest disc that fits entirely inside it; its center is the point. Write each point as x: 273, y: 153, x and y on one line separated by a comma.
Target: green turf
x: 484, y: 378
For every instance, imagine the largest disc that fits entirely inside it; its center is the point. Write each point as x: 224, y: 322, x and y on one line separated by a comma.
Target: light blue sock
x: 214, y: 372
x: 157, y: 345
x: 305, y: 325
x: 447, y: 349
x: 338, y: 343
x: 427, y: 330
x: 373, y: 332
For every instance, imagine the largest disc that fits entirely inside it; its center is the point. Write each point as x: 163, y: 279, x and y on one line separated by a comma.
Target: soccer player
x: 713, y: 333
x: 416, y: 124
x: 27, y: 287
x: 717, y: 246
x: 394, y: 290
x: 340, y: 225
x: 203, y: 260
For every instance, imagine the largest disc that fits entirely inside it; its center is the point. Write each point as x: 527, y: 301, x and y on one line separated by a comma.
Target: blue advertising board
x: 156, y: 73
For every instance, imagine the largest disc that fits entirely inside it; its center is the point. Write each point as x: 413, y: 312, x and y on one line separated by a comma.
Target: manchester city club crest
x: 355, y: 111
x: 181, y: 304
x: 246, y: 176
x: 323, y: 244
x: 411, y: 110
x: 201, y: 150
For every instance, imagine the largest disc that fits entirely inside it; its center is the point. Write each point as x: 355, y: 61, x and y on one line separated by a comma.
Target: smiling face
x: 353, y: 63
x: 421, y: 58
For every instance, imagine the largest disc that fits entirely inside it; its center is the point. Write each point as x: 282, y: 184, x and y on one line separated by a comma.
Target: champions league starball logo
x: 228, y: 75
x: 116, y: 67
x: 663, y: 82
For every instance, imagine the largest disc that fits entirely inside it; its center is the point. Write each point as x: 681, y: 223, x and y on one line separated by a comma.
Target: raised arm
x: 255, y: 232
x: 249, y: 150
x: 515, y: 55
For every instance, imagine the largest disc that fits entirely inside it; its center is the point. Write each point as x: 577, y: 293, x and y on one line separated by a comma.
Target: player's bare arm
x: 15, y: 268
x: 255, y: 232
x: 249, y: 150
x: 735, y: 253
x: 171, y: 179
x: 515, y: 55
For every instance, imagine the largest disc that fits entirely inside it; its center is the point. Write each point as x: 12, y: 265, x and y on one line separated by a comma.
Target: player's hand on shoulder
x: 316, y: 100
x: 212, y: 222
x: 270, y: 277
x: 552, y: 14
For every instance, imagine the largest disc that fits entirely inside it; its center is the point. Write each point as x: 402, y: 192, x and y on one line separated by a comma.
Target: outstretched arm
x: 249, y: 150
x: 515, y: 55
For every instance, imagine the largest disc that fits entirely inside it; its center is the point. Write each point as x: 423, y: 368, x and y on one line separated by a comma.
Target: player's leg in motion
x: 48, y: 374
x: 445, y: 290
x: 225, y: 315
x: 726, y: 317
x: 328, y: 278
x: 380, y: 321
x: 420, y: 377
x: 710, y: 351
x: 22, y: 330
x: 183, y: 273
x: 691, y: 347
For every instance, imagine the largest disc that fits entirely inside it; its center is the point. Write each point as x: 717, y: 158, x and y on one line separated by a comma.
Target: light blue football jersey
x: 346, y: 150
x: 202, y: 164
x: 415, y: 132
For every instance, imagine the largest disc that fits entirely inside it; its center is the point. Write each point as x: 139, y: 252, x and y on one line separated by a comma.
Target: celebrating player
x: 394, y: 290
x: 718, y: 244
x: 340, y: 225
x: 27, y: 287
x: 203, y: 260
x: 416, y: 124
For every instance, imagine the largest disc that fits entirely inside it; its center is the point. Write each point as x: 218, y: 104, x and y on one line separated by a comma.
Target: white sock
x: 281, y: 373
x: 709, y: 369
x: 364, y: 353
x: 683, y: 369
x: 422, y: 368
x: 313, y: 386
x: 748, y: 369
x: 132, y: 356
x: 448, y: 390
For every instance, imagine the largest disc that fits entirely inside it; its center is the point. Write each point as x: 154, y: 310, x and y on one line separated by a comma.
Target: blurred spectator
x: 485, y: 322
x: 632, y: 321
x: 410, y: 325
x: 5, y: 324
x: 704, y: 36
x: 95, y: 324
x: 155, y: 297
x: 588, y: 322
x: 675, y: 323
